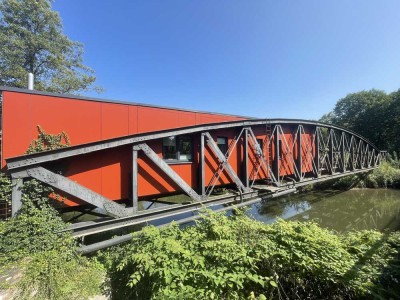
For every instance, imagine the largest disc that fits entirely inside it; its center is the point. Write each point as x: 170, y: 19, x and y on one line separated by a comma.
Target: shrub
x: 34, y: 228
x: 58, y: 275
x: 239, y: 258
x: 386, y: 175
x: 47, y: 259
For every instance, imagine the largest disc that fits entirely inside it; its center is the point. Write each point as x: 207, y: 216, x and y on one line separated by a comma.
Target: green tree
x: 32, y: 40
x: 393, y: 121
x: 366, y: 113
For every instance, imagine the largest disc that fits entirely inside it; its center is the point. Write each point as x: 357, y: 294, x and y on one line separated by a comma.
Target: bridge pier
x: 16, y: 195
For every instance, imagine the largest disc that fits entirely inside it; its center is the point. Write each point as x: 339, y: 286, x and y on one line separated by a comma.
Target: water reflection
x: 341, y: 211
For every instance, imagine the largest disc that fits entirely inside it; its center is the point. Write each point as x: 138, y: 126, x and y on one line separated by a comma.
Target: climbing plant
x: 47, y: 141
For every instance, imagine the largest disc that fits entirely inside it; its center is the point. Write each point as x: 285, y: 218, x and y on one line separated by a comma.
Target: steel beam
x: 331, y: 150
x: 221, y: 157
x: 74, y: 189
x: 38, y: 158
x: 277, y: 157
x: 202, y: 175
x: 317, y: 172
x: 245, y: 170
x: 16, y: 195
x: 135, y: 180
x: 343, y: 153
x: 262, y: 160
x: 159, y: 162
x: 299, y: 149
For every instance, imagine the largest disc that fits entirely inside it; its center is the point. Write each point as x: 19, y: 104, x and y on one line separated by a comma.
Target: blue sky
x: 265, y: 59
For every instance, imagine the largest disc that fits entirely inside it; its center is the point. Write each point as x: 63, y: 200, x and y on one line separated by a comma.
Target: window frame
x: 177, y: 159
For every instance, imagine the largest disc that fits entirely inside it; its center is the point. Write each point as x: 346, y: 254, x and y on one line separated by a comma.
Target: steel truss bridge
x: 293, y: 153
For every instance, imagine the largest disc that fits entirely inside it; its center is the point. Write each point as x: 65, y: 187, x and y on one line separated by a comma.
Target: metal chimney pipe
x: 30, y: 81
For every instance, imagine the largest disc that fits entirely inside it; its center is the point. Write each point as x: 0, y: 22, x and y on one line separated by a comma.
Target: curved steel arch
x: 52, y: 155
x: 316, y: 151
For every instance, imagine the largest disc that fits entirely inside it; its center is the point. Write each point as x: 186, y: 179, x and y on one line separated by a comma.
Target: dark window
x: 179, y: 148
x: 169, y: 147
x: 185, y: 148
x: 222, y: 143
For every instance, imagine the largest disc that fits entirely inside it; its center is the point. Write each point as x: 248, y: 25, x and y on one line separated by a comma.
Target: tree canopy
x: 373, y: 114
x: 32, y: 40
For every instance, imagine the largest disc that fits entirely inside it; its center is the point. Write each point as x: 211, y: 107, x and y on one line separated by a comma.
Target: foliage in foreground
x: 58, y: 275
x: 48, y: 261
x: 240, y: 258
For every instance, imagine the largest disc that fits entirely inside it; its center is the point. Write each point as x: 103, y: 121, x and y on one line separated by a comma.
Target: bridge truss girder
x: 308, y: 149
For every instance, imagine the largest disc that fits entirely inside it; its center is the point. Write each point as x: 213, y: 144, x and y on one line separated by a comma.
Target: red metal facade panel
x: 84, y: 121
x: 109, y: 172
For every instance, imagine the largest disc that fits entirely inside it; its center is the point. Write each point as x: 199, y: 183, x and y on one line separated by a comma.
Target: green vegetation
x: 240, y: 258
x: 47, y: 259
x: 46, y: 141
x: 373, y: 114
x: 32, y: 39
x: 220, y: 258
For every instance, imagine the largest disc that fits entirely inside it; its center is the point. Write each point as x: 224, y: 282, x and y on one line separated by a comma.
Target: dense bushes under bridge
x: 221, y: 258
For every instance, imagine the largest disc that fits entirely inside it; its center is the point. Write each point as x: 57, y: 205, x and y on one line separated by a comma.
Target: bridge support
x: 202, y: 175
x: 168, y: 171
x: 74, y: 189
x: 245, y: 166
x: 225, y: 164
x: 135, y: 180
x: 299, y: 152
x: 16, y: 195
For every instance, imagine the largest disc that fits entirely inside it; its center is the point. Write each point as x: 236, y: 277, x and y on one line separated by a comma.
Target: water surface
x: 338, y: 210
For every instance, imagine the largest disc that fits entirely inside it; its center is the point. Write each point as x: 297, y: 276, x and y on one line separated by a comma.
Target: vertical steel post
x: 299, y: 161
x: 201, y: 167
x: 331, y: 151
x: 276, y: 160
x: 316, y: 154
x: 245, y: 164
x: 352, y: 167
x: 16, y: 195
x: 134, y: 179
x: 343, y: 154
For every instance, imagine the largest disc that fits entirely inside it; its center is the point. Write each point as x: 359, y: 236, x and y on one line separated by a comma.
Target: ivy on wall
x: 47, y: 141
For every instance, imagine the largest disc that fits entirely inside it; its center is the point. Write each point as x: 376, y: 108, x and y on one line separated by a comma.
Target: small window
x: 179, y: 148
x: 185, y: 148
x: 222, y: 143
x: 169, y: 147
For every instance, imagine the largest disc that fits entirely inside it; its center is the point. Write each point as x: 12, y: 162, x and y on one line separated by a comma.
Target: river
x: 341, y: 211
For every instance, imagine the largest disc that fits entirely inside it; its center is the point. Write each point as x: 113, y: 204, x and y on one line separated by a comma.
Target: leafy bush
x: 50, y: 266
x: 239, y: 258
x: 56, y: 275
x: 5, y: 188
x: 34, y: 228
x: 386, y: 175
